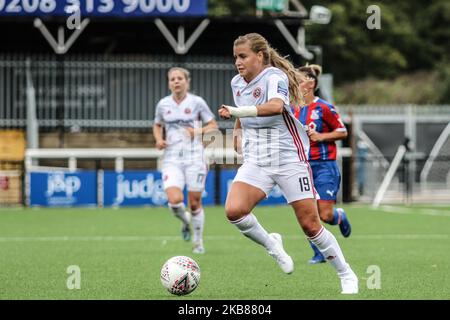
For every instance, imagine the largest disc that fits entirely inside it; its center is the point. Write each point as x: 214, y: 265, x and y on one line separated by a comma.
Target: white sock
x: 179, y: 210
x: 250, y: 227
x: 329, y: 247
x: 198, y: 221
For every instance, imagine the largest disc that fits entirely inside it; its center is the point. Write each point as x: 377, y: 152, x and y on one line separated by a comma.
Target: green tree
x: 414, y: 36
x: 353, y: 51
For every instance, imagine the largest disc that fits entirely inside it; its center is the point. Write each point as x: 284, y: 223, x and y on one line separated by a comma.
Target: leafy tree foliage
x: 414, y: 36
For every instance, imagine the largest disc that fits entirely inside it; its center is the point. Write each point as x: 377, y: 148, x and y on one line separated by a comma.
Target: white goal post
x: 401, y: 151
x: 434, y: 153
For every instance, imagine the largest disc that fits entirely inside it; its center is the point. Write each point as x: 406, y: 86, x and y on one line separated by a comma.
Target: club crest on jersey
x: 315, y: 114
x: 187, y: 111
x: 312, y: 125
x: 238, y: 93
x: 257, y: 93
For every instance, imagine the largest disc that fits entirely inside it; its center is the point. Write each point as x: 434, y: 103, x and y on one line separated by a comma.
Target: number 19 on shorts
x: 304, y: 184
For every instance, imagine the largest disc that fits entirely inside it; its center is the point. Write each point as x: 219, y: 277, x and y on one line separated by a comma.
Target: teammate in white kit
x: 275, y: 148
x: 185, y: 117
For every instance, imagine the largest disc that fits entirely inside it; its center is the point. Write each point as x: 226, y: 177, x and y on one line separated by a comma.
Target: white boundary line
x: 211, y: 238
x: 424, y: 211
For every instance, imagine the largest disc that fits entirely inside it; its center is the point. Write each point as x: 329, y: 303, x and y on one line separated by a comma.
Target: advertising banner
x: 104, y: 8
x: 136, y: 188
x: 62, y: 189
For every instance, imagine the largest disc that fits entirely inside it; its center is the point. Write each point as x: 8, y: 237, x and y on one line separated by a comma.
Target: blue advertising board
x: 129, y: 188
x: 105, y: 8
x: 62, y: 189
x: 226, y: 178
x: 137, y: 188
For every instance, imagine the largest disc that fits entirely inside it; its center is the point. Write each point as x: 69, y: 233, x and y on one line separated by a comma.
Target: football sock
x: 179, y: 210
x: 250, y: 227
x: 336, y: 218
x: 198, y: 221
x: 329, y: 247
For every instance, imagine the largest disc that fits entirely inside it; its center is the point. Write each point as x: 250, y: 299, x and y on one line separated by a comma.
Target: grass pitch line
x: 402, y: 210
x: 164, y: 239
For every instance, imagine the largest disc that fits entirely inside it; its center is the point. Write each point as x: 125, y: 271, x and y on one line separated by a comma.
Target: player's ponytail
x: 293, y: 75
x: 316, y: 69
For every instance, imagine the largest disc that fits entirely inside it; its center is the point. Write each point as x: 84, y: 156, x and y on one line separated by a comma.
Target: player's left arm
x: 210, y: 126
x: 207, y: 118
x: 333, y: 120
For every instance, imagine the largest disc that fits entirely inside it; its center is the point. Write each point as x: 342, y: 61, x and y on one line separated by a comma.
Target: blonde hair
x: 312, y: 71
x: 184, y: 71
x: 271, y: 57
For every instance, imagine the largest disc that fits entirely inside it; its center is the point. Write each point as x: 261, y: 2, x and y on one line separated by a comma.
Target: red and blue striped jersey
x: 323, y: 117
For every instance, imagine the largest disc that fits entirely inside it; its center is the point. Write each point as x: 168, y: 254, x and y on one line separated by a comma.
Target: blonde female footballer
x: 185, y: 117
x: 275, y: 148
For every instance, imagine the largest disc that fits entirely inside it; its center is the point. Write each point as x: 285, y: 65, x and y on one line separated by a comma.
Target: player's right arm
x: 158, y: 134
x: 271, y: 108
x: 158, y: 129
x: 277, y: 97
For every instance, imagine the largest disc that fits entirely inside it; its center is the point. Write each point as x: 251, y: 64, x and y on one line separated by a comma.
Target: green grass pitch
x: 120, y: 253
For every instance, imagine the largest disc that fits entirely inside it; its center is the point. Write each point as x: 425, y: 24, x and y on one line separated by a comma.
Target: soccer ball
x: 180, y: 275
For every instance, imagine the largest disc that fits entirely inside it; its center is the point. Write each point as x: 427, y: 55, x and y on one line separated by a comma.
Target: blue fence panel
x: 62, y: 189
x: 137, y: 188
x: 226, y: 178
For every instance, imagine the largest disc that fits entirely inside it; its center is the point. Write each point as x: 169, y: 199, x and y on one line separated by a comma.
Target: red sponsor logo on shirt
x: 187, y: 111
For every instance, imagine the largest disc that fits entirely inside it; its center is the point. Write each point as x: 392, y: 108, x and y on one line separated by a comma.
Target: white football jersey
x: 275, y: 140
x: 191, y: 112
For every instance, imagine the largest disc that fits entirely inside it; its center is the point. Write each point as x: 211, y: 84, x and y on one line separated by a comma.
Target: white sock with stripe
x: 179, y: 210
x: 329, y: 247
x: 250, y: 227
x: 198, y: 221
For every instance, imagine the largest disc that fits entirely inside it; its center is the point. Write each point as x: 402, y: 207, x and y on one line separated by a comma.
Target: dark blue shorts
x: 327, y: 179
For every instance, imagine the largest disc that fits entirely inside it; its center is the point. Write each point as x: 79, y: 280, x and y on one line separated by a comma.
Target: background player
x: 324, y: 128
x: 183, y: 115
x: 274, y: 148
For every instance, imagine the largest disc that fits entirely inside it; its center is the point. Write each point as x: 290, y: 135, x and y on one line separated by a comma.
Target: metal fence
x: 122, y: 91
x: 97, y: 92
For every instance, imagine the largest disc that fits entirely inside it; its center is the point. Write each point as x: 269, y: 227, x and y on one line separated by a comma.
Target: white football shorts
x: 294, y: 179
x: 181, y: 174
